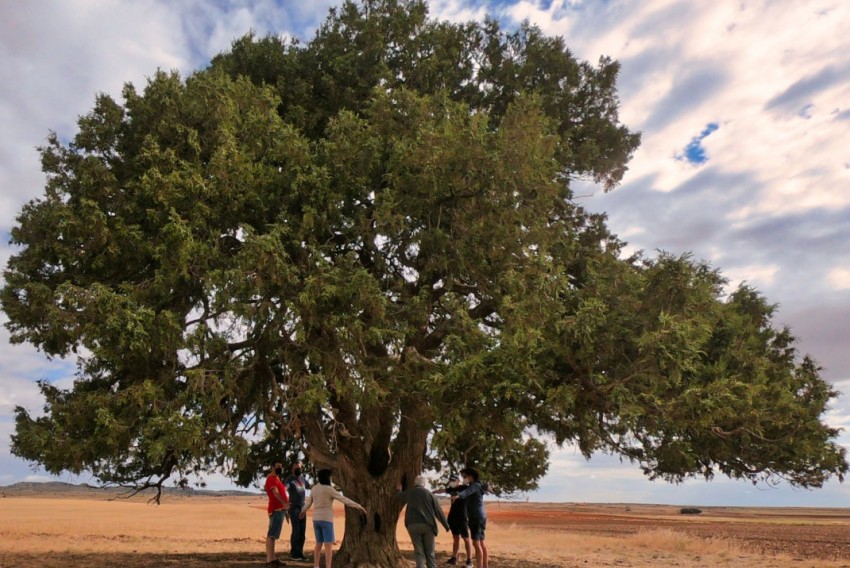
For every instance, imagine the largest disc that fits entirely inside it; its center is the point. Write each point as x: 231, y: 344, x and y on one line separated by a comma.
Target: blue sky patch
x: 694, y: 153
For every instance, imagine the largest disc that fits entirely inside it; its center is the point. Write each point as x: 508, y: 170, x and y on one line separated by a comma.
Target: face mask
x: 278, y: 470
x: 297, y: 471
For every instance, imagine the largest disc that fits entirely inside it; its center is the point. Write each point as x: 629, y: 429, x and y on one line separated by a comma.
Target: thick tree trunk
x: 372, y: 477
x: 370, y: 540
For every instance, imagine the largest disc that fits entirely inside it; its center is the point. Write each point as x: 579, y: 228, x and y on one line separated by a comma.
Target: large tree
x: 366, y: 247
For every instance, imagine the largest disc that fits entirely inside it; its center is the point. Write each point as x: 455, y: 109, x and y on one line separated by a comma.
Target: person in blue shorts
x: 476, y: 517
x: 323, y: 496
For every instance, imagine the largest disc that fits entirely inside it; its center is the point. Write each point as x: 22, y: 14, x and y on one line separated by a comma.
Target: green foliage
x: 364, y: 246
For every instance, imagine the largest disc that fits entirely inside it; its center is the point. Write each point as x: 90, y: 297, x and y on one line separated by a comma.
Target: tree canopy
x: 366, y: 247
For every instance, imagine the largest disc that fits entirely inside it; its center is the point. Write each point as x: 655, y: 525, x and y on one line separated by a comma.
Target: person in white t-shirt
x: 322, y: 496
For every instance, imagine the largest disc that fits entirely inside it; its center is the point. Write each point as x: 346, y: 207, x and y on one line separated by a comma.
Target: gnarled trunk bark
x: 370, y: 541
x: 371, y: 478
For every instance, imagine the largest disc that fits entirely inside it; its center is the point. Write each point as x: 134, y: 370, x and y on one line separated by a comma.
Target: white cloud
x: 56, y: 56
x: 456, y: 10
x: 839, y: 278
x: 757, y: 275
x: 632, y: 231
x: 20, y: 367
x: 688, y: 64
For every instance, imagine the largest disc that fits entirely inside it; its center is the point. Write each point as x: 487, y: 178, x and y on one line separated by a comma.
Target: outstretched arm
x: 347, y: 502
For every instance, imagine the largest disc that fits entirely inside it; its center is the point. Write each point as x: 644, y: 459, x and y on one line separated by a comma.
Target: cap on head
x: 454, y: 477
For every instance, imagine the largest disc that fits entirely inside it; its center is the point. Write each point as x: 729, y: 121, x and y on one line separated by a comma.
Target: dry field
x: 228, y: 532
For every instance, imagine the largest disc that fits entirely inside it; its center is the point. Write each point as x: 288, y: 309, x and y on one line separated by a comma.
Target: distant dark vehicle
x: 690, y: 511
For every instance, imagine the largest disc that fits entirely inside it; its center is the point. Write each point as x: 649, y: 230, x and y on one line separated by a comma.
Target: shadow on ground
x: 187, y: 560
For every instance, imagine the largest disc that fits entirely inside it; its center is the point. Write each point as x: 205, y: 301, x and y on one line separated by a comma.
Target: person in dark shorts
x: 296, y: 487
x: 278, y: 504
x: 457, y: 521
x: 477, y: 519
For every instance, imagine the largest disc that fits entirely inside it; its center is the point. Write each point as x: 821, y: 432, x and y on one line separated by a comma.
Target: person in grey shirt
x: 420, y: 518
x: 296, y: 487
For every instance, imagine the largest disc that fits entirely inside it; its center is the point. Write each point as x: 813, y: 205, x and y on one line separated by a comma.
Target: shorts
x: 477, y: 528
x: 276, y: 524
x: 324, y: 532
x: 459, y: 527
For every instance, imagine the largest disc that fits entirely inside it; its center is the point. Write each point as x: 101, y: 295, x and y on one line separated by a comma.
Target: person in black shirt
x: 476, y: 517
x: 457, y: 521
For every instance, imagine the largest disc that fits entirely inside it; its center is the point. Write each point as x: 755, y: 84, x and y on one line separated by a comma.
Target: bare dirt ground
x: 800, y: 533
x: 228, y: 532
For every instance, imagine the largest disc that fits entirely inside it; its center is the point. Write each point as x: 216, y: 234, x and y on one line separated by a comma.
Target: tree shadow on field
x: 129, y: 560
x: 184, y: 560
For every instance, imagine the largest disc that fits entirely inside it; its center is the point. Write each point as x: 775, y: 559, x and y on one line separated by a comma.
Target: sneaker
x: 468, y: 564
x: 452, y: 561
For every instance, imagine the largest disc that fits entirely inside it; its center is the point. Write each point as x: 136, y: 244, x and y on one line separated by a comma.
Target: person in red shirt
x: 278, y: 505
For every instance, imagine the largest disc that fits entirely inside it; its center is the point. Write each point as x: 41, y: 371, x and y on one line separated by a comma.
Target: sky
x: 744, y: 108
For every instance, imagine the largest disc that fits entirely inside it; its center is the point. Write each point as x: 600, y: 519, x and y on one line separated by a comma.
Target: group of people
x: 288, y: 501
x: 466, y: 521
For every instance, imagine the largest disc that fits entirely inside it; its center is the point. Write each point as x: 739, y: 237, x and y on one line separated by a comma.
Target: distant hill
x: 49, y: 488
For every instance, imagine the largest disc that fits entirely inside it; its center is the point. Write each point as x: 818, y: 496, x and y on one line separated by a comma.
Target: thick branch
x: 435, y: 338
x: 410, y: 442
x: 320, y: 451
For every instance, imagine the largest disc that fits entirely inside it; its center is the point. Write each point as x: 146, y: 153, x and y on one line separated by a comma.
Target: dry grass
x: 230, y: 532
x: 650, y: 548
